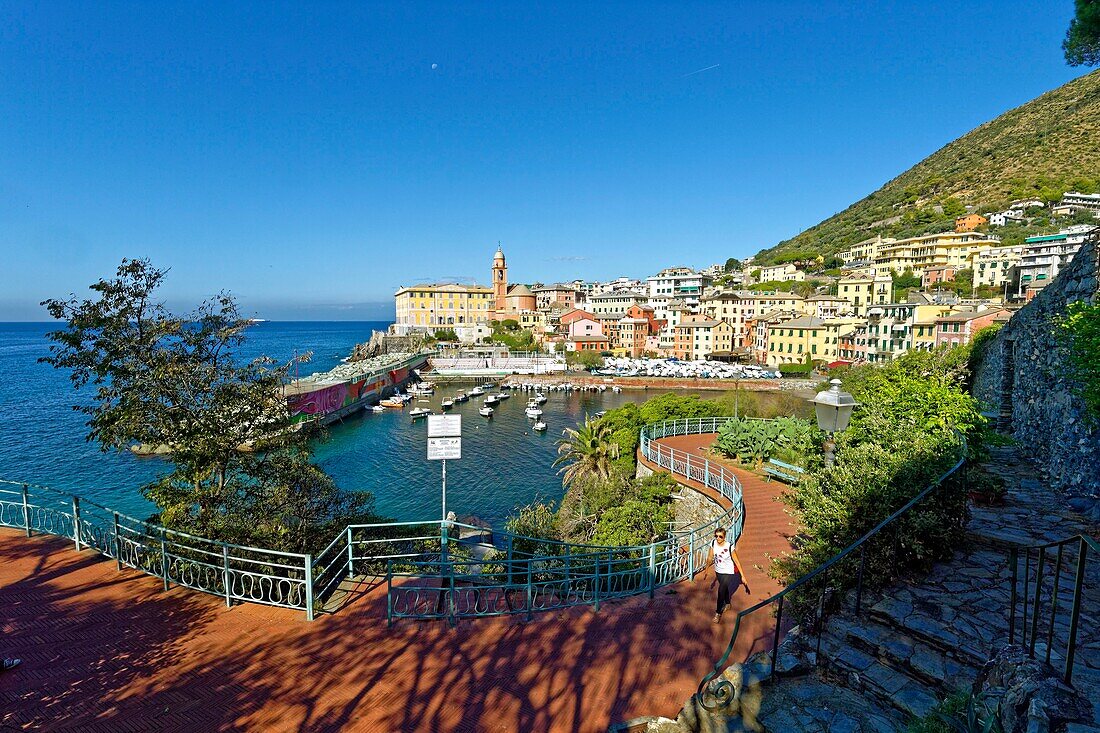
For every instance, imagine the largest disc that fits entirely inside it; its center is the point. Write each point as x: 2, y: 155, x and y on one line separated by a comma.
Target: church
x: 509, y: 302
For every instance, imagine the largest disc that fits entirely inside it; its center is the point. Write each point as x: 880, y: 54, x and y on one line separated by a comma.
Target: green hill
x: 1041, y: 149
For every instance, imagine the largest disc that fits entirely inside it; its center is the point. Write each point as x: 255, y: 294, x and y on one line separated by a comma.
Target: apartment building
x: 957, y: 329
x: 827, y: 306
x: 782, y: 274
x: 444, y: 305
x: 865, y: 290
x: 1074, y: 202
x: 614, y: 303
x: 994, y: 266
x: 865, y: 252
x: 970, y: 222
x: 932, y: 250
x: 738, y: 307
x: 697, y: 336
x: 548, y: 295
x: 1042, y: 258
x: 676, y: 284
x: 792, y: 342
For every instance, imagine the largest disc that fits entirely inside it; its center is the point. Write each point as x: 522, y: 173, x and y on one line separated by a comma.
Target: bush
x: 1079, y: 333
x: 795, y: 370
x: 445, y: 334
x: 754, y: 441
x: 899, y: 441
x: 583, y: 359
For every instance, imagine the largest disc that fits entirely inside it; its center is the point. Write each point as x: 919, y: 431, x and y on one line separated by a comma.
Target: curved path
x: 111, y: 651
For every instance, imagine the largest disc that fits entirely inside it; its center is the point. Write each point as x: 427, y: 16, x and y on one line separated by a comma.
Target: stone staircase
x: 919, y: 641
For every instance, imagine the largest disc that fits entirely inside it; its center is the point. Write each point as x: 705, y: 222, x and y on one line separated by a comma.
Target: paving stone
x: 915, y: 699
x: 885, y: 678
x: 928, y: 662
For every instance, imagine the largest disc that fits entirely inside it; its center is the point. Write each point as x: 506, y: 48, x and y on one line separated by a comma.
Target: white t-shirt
x: 723, y: 560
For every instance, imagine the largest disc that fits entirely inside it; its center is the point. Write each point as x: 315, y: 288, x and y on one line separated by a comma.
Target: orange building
x: 970, y: 222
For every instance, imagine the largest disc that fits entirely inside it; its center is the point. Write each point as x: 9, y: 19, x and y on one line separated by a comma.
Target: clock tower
x: 500, y: 281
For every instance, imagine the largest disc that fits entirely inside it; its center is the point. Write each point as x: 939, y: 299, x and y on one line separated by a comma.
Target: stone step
x: 863, y: 673
x: 930, y: 666
x: 971, y: 649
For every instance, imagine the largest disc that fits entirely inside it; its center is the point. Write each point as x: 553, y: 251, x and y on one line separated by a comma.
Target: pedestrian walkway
x: 111, y: 651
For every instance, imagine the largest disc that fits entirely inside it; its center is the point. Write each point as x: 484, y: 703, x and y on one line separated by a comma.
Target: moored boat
x: 448, y: 404
x: 419, y: 412
x: 533, y: 412
x: 540, y: 426
x: 485, y: 411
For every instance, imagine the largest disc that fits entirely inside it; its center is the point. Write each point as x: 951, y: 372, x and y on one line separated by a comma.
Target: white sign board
x: 444, y: 426
x: 444, y: 449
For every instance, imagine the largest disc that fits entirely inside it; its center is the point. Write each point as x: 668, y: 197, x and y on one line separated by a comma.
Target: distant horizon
x: 314, y: 171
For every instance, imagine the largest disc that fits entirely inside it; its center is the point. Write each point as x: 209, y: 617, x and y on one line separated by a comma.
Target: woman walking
x: 727, y: 570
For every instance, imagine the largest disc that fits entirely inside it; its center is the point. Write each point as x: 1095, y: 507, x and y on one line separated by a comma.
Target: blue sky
x: 311, y: 160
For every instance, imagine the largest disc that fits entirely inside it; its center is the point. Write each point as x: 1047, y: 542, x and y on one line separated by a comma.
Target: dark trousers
x: 727, y: 584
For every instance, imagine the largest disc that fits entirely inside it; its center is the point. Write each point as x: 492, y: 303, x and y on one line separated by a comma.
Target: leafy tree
x: 952, y: 207
x: 1082, y: 42
x: 510, y: 324
x: 1079, y: 331
x: 445, y: 334
x: 160, y: 379
x: 584, y: 359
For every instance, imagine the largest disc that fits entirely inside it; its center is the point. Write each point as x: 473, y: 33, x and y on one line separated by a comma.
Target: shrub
x: 755, y: 441
x: 899, y: 441
x: 1079, y: 333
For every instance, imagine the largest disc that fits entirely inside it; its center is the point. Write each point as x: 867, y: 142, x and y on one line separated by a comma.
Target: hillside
x: 1041, y: 149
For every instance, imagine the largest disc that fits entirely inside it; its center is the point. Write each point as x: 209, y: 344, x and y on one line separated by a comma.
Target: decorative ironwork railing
x: 233, y: 572
x: 715, y: 691
x: 433, y: 569
x: 1041, y: 583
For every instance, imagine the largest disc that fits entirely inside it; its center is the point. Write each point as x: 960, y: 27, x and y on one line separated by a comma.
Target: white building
x: 1073, y: 202
x: 614, y: 302
x: 782, y: 274
x: 1003, y: 218
x: 1044, y: 257
x: 675, y: 283
x: 993, y: 265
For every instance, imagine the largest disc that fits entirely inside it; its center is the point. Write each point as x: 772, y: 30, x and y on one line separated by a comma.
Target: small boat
x: 377, y: 408
x: 533, y: 412
x: 423, y: 388
x: 419, y: 412
x: 491, y: 399
x: 394, y: 401
x: 477, y: 392
x: 485, y: 411
x: 503, y: 395
x: 540, y: 426
x: 540, y: 398
x: 616, y: 389
x: 448, y: 404
x: 461, y: 397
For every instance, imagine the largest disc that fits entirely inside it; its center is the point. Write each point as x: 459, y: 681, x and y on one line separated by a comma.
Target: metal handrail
x: 713, y: 696
x: 555, y: 574
x: 1034, y: 604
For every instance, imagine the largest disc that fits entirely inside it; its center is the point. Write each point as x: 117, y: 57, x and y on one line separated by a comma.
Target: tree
x: 733, y: 264
x: 587, y: 451
x: 160, y: 379
x: 1082, y: 42
x: 584, y: 358
x: 445, y: 334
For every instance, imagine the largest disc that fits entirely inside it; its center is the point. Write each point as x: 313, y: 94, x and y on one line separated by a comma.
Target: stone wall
x: 1022, y: 377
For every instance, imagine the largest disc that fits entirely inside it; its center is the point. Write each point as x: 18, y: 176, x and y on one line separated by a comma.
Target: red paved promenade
x: 111, y: 651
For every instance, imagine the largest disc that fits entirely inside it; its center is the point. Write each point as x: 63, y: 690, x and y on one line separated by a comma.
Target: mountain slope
x: 1041, y: 149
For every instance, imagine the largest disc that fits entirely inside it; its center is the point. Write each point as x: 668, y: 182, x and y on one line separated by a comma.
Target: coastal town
x: 883, y: 297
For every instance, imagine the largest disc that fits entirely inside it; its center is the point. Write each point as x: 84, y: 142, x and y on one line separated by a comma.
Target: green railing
x: 234, y: 572
x: 433, y: 569
x: 1042, y: 593
x: 715, y: 691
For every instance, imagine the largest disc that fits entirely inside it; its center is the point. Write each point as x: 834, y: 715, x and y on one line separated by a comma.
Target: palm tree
x: 588, y: 451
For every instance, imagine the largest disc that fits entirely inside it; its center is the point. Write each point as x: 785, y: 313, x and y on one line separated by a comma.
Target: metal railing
x: 233, y: 572
x: 433, y: 569
x: 715, y: 691
x: 1063, y: 622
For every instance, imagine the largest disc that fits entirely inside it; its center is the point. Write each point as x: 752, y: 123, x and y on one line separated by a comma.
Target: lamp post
x: 834, y: 410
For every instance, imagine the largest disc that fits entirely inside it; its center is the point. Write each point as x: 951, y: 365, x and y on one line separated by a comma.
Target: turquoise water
x: 504, y: 464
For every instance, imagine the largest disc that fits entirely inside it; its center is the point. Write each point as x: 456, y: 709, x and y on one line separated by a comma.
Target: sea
x: 504, y: 463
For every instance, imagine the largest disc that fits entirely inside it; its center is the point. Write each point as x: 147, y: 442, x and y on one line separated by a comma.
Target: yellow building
x: 697, y: 336
x: 790, y: 342
x: 865, y: 251
x: 993, y: 265
x: 946, y: 249
x: 863, y: 291
x: 428, y: 307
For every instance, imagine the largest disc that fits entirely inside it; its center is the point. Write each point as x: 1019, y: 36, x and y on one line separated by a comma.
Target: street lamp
x: 834, y: 410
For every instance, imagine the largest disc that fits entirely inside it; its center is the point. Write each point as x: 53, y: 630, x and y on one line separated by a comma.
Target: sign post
x: 444, y: 441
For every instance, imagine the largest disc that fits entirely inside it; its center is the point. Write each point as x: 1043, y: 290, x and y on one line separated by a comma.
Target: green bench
x: 783, y: 471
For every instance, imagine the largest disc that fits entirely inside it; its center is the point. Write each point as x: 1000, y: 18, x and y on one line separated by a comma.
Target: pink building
x: 933, y: 275
x: 958, y: 328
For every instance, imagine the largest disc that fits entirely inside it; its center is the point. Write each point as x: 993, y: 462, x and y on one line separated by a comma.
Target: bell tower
x: 500, y: 280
